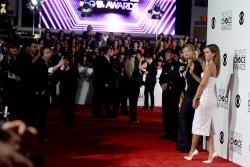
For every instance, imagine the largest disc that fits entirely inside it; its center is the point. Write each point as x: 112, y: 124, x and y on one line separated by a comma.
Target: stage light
x: 86, y: 9
x: 35, y: 6
x: 34, y: 2
x: 156, y: 12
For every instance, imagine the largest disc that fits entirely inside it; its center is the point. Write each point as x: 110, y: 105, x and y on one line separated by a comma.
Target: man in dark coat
x: 172, y: 83
x: 151, y: 72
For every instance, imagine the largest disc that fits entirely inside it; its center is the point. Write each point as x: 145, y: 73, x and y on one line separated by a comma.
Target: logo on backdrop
x: 240, y: 59
x: 237, y: 101
x: 223, y: 98
x: 226, y: 20
x: 236, y: 140
x: 248, y: 110
x: 221, y: 137
x: 213, y: 23
x: 224, y: 59
x: 241, y: 17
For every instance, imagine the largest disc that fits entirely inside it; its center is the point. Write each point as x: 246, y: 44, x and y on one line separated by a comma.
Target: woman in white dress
x: 205, y: 103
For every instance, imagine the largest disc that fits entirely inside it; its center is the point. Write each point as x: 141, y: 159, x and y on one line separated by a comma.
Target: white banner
x: 229, y: 28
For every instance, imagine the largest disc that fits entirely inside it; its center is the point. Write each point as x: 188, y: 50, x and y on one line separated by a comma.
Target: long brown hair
x: 216, y: 50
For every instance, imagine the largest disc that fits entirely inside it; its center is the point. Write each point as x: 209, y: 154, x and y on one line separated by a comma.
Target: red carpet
x: 113, y: 143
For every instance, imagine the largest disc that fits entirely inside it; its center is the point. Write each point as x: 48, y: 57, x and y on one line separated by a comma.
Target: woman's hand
x: 195, y: 103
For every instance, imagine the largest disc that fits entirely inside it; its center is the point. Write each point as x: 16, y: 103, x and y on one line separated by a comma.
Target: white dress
x: 202, y: 122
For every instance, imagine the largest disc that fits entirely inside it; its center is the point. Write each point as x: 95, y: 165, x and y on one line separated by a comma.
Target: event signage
x: 114, y: 4
x: 213, y: 22
x: 236, y: 142
x: 248, y: 102
x: 229, y: 28
x: 221, y: 138
x: 223, y: 98
x: 240, y: 59
x: 226, y: 20
x: 129, y: 16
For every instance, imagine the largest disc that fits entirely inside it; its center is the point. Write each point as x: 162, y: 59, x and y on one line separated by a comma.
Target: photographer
x: 11, y: 134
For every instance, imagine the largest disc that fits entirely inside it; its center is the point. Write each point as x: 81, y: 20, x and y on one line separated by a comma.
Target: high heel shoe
x: 189, y: 158
x: 209, y: 161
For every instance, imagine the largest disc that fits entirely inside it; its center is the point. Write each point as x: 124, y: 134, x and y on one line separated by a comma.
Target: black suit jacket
x: 152, y: 72
x: 106, y: 72
x: 41, y: 77
x: 171, y: 76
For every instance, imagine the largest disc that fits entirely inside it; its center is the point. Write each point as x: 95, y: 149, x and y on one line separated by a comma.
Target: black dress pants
x: 133, y: 96
x: 170, y: 112
x: 186, y: 116
x: 149, y: 89
x: 40, y: 109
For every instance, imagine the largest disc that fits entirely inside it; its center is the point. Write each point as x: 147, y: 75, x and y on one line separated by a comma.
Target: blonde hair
x: 216, y: 50
x: 191, y: 48
x: 129, y: 66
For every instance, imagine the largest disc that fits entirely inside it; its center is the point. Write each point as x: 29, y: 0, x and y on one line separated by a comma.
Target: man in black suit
x: 151, y: 72
x: 107, y: 80
x: 40, y: 96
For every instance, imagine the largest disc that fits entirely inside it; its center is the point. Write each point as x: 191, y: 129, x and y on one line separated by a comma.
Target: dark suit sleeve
x: 163, y: 75
x: 106, y: 72
x: 179, y: 80
x: 153, y: 69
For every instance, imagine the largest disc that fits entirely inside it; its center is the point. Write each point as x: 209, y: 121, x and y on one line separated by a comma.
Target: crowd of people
x: 35, y: 68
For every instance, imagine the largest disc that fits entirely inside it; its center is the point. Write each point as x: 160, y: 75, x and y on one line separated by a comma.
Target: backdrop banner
x: 229, y: 27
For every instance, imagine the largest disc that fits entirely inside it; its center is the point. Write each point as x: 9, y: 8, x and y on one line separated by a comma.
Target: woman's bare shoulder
x: 212, y: 69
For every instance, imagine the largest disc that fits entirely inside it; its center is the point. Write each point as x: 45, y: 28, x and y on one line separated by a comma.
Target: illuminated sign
x: 129, y: 16
x: 3, y: 8
x: 204, y: 19
x: 116, y: 5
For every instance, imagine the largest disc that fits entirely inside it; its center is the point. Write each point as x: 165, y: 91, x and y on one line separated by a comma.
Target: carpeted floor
x: 112, y: 143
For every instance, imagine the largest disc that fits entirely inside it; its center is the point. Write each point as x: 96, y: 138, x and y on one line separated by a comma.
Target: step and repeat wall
x: 229, y: 28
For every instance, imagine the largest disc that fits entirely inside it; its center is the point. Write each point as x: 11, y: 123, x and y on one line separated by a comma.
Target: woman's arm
x: 142, y: 65
x: 191, y: 71
x: 203, y: 83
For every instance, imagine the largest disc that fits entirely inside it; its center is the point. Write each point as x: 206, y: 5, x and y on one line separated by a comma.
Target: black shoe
x: 111, y: 116
x: 71, y: 124
x: 135, y: 122
x: 42, y: 139
x: 152, y: 108
x: 144, y: 108
x: 125, y: 113
x: 173, y: 140
x: 99, y: 116
x: 164, y: 137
